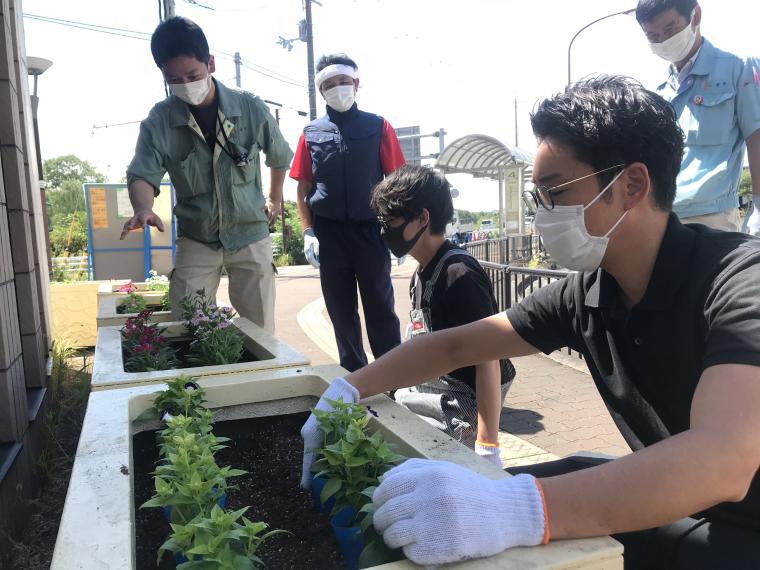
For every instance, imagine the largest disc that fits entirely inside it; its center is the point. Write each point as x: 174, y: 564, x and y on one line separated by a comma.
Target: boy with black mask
x: 448, y: 289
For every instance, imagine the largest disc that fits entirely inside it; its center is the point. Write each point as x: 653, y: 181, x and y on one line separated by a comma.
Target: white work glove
x: 489, y: 452
x: 310, y: 432
x: 311, y: 247
x: 752, y: 223
x: 440, y: 512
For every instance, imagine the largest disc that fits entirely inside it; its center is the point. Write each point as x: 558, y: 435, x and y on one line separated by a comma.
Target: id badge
x: 420, y: 322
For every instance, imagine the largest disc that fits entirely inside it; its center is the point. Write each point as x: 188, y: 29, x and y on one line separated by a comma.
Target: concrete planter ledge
x: 108, y: 305
x: 108, y: 368
x: 97, y: 527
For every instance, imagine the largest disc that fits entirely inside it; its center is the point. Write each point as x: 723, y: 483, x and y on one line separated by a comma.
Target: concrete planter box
x: 97, y: 526
x: 108, y: 315
x: 108, y: 368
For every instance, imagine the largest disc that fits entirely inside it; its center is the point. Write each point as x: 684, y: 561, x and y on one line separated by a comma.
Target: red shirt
x: 391, y: 156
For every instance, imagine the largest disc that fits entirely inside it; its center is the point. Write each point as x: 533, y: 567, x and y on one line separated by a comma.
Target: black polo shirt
x: 462, y: 294
x: 701, y: 308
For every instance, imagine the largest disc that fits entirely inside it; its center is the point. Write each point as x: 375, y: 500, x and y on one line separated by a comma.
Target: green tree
x: 295, y: 245
x: 66, y: 204
x: 69, y: 167
x: 745, y: 184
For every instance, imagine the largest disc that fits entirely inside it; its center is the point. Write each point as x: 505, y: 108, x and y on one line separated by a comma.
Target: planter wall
x: 108, y: 306
x: 108, y: 368
x: 97, y: 526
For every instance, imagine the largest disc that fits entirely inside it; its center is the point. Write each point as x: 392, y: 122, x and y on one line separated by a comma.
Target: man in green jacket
x: 208, y: 138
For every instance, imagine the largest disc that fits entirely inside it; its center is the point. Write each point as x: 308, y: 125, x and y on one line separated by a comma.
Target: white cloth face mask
x: 564, y: 234
x: 340, y: 97
x: 192, y: 93
x: 678, y: 46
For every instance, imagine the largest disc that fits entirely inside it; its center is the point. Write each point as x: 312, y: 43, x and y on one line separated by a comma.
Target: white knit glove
x: 311, y: 247
x: 440, y: 512
x: 312, y: 436
x: 489, y: 452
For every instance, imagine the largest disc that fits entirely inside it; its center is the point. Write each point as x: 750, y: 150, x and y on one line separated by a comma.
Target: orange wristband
x: 545, y: 539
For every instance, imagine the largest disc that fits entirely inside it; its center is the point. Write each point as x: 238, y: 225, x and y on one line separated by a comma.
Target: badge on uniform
x: 420, y: 322
x: 698, y: 99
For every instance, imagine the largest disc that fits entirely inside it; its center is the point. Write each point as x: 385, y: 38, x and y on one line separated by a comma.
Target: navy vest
x: 345, y: 159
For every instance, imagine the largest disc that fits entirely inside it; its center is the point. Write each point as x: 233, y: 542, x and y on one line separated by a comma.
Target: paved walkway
x: 553, y: 408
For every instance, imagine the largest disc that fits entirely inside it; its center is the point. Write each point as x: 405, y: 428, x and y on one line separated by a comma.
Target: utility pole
x: 310, y: 61
x: 168, y: 9
x: 236, y: 59
x: 516, y: 142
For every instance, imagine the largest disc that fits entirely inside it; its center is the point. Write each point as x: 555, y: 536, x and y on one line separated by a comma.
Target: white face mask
x: 192, y: 93
x: 564, y: 234
x: 340, y: 97
x: 677, y: 47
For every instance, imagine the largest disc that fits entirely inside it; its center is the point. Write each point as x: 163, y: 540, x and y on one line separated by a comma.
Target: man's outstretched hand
x: 140, y: 220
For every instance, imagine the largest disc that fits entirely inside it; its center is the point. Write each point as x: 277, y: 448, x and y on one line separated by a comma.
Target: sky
x: 457, y: 65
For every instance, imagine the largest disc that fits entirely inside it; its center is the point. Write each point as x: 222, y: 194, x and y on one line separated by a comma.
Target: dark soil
x: 181, y: 347
x: 122, y: 309
x: 270, y: 449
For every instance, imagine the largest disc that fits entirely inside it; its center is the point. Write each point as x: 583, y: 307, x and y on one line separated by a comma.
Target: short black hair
x: 406, y: 191
x: 609, y: 120
x: 178, y: 36
x: 648, y: 10
x: 335, y: 59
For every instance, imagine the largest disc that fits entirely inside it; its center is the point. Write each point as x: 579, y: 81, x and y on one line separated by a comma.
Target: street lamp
x: 36, y: 66
x: 569, y: 47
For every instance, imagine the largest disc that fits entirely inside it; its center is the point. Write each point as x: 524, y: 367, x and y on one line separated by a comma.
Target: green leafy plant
x: 188, y: 478
x: 166, y: 303
x: 215, y: 341
x: 182, y: 397
x: 133, y: 303
x: 353, y: 462
x: 220, y: 540
x: 189, y: 481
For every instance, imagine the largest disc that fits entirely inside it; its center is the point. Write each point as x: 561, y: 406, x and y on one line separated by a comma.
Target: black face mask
x: 394, y: 238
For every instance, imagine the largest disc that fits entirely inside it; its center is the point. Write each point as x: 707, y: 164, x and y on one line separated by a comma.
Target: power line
x: 87, y: 27
x: 272, y: 74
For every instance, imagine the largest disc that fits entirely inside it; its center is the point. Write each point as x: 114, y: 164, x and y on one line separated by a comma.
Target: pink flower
x: 128, y: 287
x: 223, y: 325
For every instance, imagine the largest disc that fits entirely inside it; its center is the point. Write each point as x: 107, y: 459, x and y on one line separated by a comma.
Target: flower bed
x: 260, y: 351
x: 111, y: 310
x: 114, y: 455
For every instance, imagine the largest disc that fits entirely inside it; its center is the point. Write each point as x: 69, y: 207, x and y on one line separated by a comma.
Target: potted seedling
x: 352, y: 463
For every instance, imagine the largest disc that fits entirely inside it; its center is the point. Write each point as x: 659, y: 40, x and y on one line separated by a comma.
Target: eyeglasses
x: 386, y: 227
x: 544, y: 197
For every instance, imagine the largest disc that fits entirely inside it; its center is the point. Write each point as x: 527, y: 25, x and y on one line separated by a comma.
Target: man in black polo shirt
x: 667, y: 318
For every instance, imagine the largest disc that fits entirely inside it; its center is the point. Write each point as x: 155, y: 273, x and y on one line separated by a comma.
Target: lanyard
x: 240, y: 158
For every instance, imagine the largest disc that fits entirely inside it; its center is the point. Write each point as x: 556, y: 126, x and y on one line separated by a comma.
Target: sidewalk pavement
x: 552, y: 409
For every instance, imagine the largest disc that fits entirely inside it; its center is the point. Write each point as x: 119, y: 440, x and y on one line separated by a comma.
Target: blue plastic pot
x: 317, y: 484
x: 349, y: 537
x: 168, y: 508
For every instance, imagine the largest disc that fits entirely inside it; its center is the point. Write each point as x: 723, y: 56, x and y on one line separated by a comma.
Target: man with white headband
x: 716, y: 96
x: 208, y: 138
x: 339, y: 158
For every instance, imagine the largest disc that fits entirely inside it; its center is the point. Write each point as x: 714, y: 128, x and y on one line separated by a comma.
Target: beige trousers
x: 727, y: 220
x: 251, y: 272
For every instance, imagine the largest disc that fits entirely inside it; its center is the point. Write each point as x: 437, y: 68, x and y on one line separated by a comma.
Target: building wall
x: 24, y: 285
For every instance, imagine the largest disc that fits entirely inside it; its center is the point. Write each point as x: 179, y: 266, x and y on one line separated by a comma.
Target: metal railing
x: 512, y: 284
x: 70, y: 268
x: 510, y: 250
